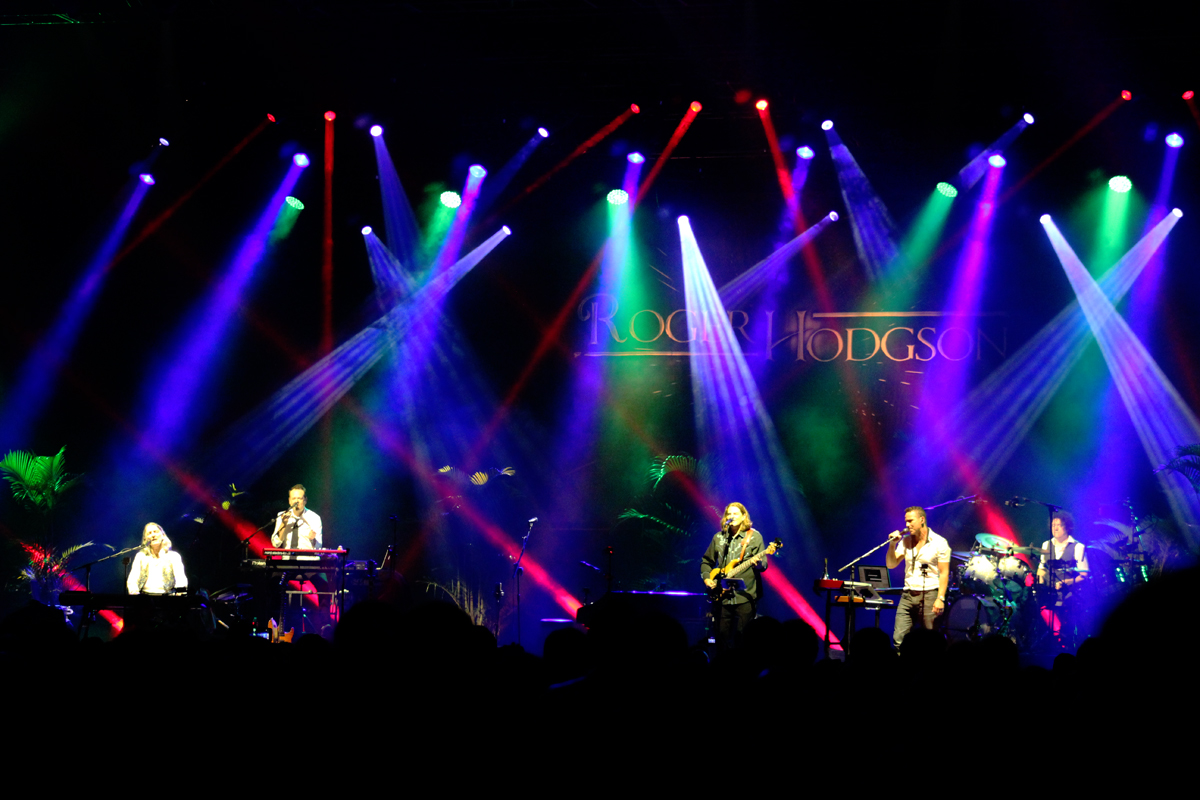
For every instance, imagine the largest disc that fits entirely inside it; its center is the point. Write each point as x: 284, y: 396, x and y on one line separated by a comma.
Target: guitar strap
x: 745, y: 541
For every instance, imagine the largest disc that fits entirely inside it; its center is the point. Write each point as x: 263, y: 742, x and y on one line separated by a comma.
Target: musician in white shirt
x: 156, y: 569
x: 298, y: 528
x: 926, y: 558
x: 1062, y: 546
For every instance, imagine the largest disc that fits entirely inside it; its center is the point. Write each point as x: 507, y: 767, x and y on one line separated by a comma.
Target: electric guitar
x: 735, y: 568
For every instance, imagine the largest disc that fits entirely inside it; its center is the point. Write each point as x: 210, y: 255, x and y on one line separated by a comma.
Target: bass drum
x: 972, y: 618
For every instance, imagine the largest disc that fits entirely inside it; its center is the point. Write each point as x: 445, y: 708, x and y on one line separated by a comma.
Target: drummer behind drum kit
x: 993, y: 589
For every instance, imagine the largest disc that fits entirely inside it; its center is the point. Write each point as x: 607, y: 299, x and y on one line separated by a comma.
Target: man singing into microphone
x: 298, y: 528
x: 736, y: 542
x: 926, y: 558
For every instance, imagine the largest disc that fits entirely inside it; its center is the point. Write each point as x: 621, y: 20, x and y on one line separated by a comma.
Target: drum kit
x: 993, y: 589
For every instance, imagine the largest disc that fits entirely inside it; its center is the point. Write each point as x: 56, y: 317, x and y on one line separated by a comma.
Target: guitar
x: 735, y: 568
x: 277, y: 635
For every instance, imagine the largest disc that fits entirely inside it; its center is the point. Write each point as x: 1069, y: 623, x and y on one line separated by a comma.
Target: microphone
x: 1015, y: 502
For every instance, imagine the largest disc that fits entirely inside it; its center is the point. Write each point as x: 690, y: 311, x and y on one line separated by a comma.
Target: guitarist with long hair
x: 735, y: 544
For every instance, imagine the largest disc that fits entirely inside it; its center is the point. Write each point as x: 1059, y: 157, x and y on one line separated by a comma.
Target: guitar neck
x: 745, y: 565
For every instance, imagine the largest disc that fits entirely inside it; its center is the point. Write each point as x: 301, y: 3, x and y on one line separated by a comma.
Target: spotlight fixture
x: 477, y: 171
x: 635, y: 158
x: 1126, y: 94
x: 1189, y: 94
x: 827, y: 125
x: 146, y: 178
x: 330, y: 116
x: 635, y: 108
x: 376, y: 130
x: 695, y: 106
x: 1028, y: 118
x: 805, y: 152
x: 294, y: 203
x: 450, y: 199
x: 761, y: 105
x: 683, y: 219
x: 618, y: 197
x: 996, y: 160
x: 366, y: 230
x: 507, y: 230
x: 1178, y: 212
x: 1120, y: 183
x: 163, y: 142
x: 543, y: 132
x: 271, y: 117
x: 1174, y: 140
x: 300, y: 160
x: 1044, y: 219
x: 833, y: 216
x: 947, y: 190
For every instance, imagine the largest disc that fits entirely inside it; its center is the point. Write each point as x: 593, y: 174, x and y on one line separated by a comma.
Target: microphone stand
x: 884, y: 543
x: 85, y: 623
x: 517, y: 570
x: 1019, y: 501
x: 972, y: 499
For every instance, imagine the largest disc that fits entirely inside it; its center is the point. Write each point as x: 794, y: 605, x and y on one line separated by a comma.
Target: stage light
x: 330, y: 116
x: 163, y: 142
x: 271, y: 117
x: 477, y: 171
x: 376, y: 130
x: 1044, y: 219
x: 618, y: 197
x: 695, y: 106
x: 300, y: 160
x: 833, y: 216
x: 366, y: 231
x: 543, y: 132
x: 507, y: 230
x: 827, y: 125
x: 450, y: 199
x: 805, y: 152
x: 761, y: 105
x: 634, y: 108
x: 294, y: 203
x: 1178, y: 212
x: 1028, y: 118
x: 997, y: 160
x: 683, y: 220
x: 1120, y: 183
x: 1189, y: 94
x: 635, y: 158
x: 146, y: 178
x: 1174, y: 140
x: 947, y: 190
x: 1126, y: 94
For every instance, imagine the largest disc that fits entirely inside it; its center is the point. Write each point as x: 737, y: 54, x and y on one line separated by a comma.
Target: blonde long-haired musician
x: 739, y: 542
x: 157, y: 569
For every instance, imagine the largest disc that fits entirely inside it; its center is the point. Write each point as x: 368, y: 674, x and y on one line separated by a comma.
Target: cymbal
x: 993, y: 541
x: 961, y: 555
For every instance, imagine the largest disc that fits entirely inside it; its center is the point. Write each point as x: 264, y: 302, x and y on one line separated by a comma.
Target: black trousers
x: 731, y: 621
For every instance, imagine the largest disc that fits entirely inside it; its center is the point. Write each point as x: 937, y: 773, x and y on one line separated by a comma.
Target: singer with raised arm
x: 926, y: 559
x: 298, y: 528
x: 736, y: 543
